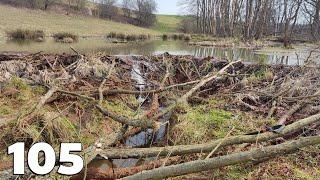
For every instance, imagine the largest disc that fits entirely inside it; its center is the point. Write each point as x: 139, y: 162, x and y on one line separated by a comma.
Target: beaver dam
x: 153, y: 117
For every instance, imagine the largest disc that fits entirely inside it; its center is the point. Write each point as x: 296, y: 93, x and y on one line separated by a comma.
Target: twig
x: 216, y: 148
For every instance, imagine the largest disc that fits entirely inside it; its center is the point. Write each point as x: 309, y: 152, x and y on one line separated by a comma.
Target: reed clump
x: 182, y: 37
x: 65, y: 37
x: 128, y: 37
x: 26, y: 34
x: 165, y: 37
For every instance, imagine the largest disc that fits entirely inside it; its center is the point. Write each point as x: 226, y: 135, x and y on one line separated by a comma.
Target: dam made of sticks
x: 162, y: 116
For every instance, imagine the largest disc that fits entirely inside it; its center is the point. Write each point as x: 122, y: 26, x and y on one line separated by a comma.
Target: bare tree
x: 48, y: 3
x: 254, y: 18
x: 126, y: 7
x: 144, y: 12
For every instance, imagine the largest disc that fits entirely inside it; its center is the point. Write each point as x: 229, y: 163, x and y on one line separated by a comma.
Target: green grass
x: 15, y: 18
x: 167, y: 23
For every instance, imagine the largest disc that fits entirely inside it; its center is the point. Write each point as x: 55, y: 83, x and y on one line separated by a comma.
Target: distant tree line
x: 253, y: 18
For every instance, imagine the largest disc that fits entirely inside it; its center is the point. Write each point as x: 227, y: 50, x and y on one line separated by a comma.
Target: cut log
x: 221, y: 161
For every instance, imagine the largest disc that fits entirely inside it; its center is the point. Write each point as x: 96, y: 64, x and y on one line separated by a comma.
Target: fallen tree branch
x: 116, y: 173
x: 116, y: 153
x: 121, y: 119
x: 131, y: 122
x: 227, y: 160
x: 294, y: 109
x: 124, y: 91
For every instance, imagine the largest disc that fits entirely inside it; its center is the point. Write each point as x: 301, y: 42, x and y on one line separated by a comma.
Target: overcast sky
x: 168, y: 7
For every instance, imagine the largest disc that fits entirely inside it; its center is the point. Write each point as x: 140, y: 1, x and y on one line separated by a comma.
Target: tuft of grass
x: 299, y: 173
x: 26, y: 34
x: 17, y: 83
x: 262, y: 74
x: 5, y: 110
x: 65, y: 37
x: 201, y: 122
x: 21, y: 91
x: 119, y: 107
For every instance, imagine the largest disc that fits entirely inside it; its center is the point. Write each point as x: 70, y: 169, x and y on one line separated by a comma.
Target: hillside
x: 13, y: 18
x: 167, y: 23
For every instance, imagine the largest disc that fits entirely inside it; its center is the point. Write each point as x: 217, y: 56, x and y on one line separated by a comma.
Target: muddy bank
x: 116, y: 104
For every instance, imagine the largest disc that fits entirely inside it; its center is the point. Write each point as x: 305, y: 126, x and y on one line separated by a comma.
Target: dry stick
x: 216, y: 148
x: 100, y: 90
x: 227, y: 160
x: 76, y: 95
x: 117, y: 153
x: 207, y: 79
x: 124, y: 91
x: 273, y: 109
x: 44, y: 99
x: 294, y: 109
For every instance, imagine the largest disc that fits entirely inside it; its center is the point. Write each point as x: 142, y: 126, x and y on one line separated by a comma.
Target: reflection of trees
x: 229, y: 53
x: 132, y: 48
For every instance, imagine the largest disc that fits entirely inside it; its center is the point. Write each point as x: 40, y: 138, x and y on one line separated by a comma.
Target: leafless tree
x: 254, y: 18
x: 144, y: 12
x: 108, y: 9
x: 126, y: 7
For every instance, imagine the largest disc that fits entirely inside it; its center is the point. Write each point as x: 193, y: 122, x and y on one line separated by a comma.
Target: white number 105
x: 18, y: 151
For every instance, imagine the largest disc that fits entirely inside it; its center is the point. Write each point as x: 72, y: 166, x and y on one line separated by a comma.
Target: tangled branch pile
x: 206, y: 106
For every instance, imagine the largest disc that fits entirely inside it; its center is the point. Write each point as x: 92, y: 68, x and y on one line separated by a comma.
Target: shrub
x: 181, y: 36
x: 25, y: 34
x: 121, y: 36
x: 144, y: 37
x: 65, y: 37
x: 175, y: 37
x: 187, y: 38
x: 112, y: 35
x: 165, y: 37
x: 131, y: 37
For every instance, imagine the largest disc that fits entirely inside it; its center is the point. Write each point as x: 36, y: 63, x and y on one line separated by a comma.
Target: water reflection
x: 158, y: 47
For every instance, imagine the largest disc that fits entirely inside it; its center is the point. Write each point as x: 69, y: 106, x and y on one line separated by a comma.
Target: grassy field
x: 167, y: 23
x: 13, y: 18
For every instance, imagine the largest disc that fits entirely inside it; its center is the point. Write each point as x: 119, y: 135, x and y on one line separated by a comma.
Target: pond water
x: 89, y: 45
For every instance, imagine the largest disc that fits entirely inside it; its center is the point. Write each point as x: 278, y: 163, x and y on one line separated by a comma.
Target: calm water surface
x: 158, y: 47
